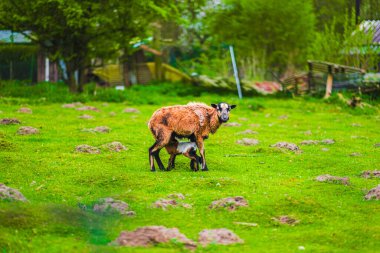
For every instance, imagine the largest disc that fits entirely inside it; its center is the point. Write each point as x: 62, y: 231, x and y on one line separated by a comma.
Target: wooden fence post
x: 329, y: 83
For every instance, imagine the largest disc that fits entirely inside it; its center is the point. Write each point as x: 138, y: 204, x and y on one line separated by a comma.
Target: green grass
x: 55, y: 179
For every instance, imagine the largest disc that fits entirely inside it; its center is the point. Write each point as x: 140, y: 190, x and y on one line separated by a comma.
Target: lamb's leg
x: 199, y: 141
x: 193, y: 159
x: 151, y: 157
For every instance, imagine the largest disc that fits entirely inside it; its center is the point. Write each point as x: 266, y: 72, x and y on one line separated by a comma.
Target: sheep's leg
x: 200, y: 145
x: 162, y: 140
x: 171, y: 162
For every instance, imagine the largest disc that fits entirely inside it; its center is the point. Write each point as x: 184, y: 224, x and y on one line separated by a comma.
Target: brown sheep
x: 187, y: 149
x: 194, y: 121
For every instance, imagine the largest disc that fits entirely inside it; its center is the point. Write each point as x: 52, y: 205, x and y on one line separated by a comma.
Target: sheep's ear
x: 232, y: 106
x: 215, y: 106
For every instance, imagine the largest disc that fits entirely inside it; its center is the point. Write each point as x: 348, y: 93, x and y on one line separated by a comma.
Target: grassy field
x: 56, y: 180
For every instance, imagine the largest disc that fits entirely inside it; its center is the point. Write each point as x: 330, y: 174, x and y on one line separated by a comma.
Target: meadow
x: 62, y: 185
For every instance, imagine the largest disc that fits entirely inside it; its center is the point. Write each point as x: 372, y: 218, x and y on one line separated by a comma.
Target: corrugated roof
x: 373, y: 26
x: 9, y: 37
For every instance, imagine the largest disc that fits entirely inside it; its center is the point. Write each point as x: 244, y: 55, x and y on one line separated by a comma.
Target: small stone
x: 356, y: 125
x: 221, y: 236
x: 9, y: 121
x: 248, y: 131
x: 248, y: 142
x: 231, y: 203
x: 309, y: 142
x: 151, y: 236
x: 187, y: 206
x: 25, y: 110
x: 333, y: 179
x: 27, y: 130
x: 328, y: 141
x: 131, y: 110
x: 369, y: 174
x: 325, y: 149
x: 286, y: 220
x: 286, y: 145
x: 112, y: 205
x: 373, y: 193
x: 102, y: 129
x: 301, y: 248
x: 232, y: 124
x: 87, y: 149
x: 86, y: 116
x: 88, y: 108
x: 10, y: 194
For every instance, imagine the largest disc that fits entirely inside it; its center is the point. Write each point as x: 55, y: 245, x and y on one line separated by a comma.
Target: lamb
x: 194, y: 121
x: 188, y: 149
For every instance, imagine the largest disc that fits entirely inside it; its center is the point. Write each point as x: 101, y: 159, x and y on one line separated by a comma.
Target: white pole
x: 46, y: 69
x: 236, y: 74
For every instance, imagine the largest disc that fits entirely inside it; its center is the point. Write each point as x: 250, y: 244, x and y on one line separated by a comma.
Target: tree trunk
x: 71, y: 82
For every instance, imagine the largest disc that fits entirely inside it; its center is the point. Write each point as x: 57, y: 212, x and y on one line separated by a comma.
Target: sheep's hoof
x: 153, y: 170
x: 205, y: 168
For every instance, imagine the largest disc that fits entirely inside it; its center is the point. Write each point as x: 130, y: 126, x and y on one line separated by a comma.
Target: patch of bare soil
x: 86, y: 116
x: 152, y: 235
x: 111, y: 205
x: 72, y: 105
x: 333, y: 179
x: 248, y: 131
x: 10, y: 194
x: 377, y: 145
x: 286, y: 145
x: 164, y: 204
x: 309, y: 142
x: 232, y: 124
x: 373, y: 193
x: 369, y: 174
x: 328, y: 141
x: 25, y: 110
x: 115, y: 146
x: 88, y: 108
x: 99, y: 129
x: 131, y: 110
x: 27, y: 130
x: 248, y: 142
x: 230, y: 203
x: 9, y: 121
x: 218, y: 236
x: 87, y: 149
x: 176, y: 196
x: 286, y: 220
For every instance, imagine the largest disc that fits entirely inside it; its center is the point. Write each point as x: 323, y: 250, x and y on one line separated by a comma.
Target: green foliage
x: 9, y: 52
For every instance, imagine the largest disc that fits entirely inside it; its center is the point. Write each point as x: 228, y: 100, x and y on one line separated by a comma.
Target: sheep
x: 194, y: 121
x: 188, y: 149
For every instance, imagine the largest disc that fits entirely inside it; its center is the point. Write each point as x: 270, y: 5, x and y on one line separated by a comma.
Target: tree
x: 76, y: 31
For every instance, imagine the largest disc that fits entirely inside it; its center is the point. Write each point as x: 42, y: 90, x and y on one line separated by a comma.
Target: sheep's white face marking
x: 223, y: 110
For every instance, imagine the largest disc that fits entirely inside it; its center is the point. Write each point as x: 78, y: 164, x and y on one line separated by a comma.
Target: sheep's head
x: 223, y: 110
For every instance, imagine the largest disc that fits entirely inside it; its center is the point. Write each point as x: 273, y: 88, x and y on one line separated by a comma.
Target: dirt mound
x: 231, y: 203
x: 328, y: 141
x: 114, y: 146
x: 248, y: 131
x: 218, y: 236
x: 164, y: 204
x: 10, y: 194
x: 88, y: 108
x: 152, y: 235
x: 131, y: 110
x: 99, y: 129
x: 286, y: 220
x: 247, y: 142
x: 286, y: 145
x: 25, y: 110
x: 9, y: 121
x: 27, y: 130
x: 355, y: 154
x: 309, y: 142
x: 333, y: 179
x: 373, y: 193
x: 72, y: 105
x: 86, y: 116
x: 111, y: 205
x: 87, y: 149
x: 369, y: 174
x: 377, y: 145
x: 232, y: 124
